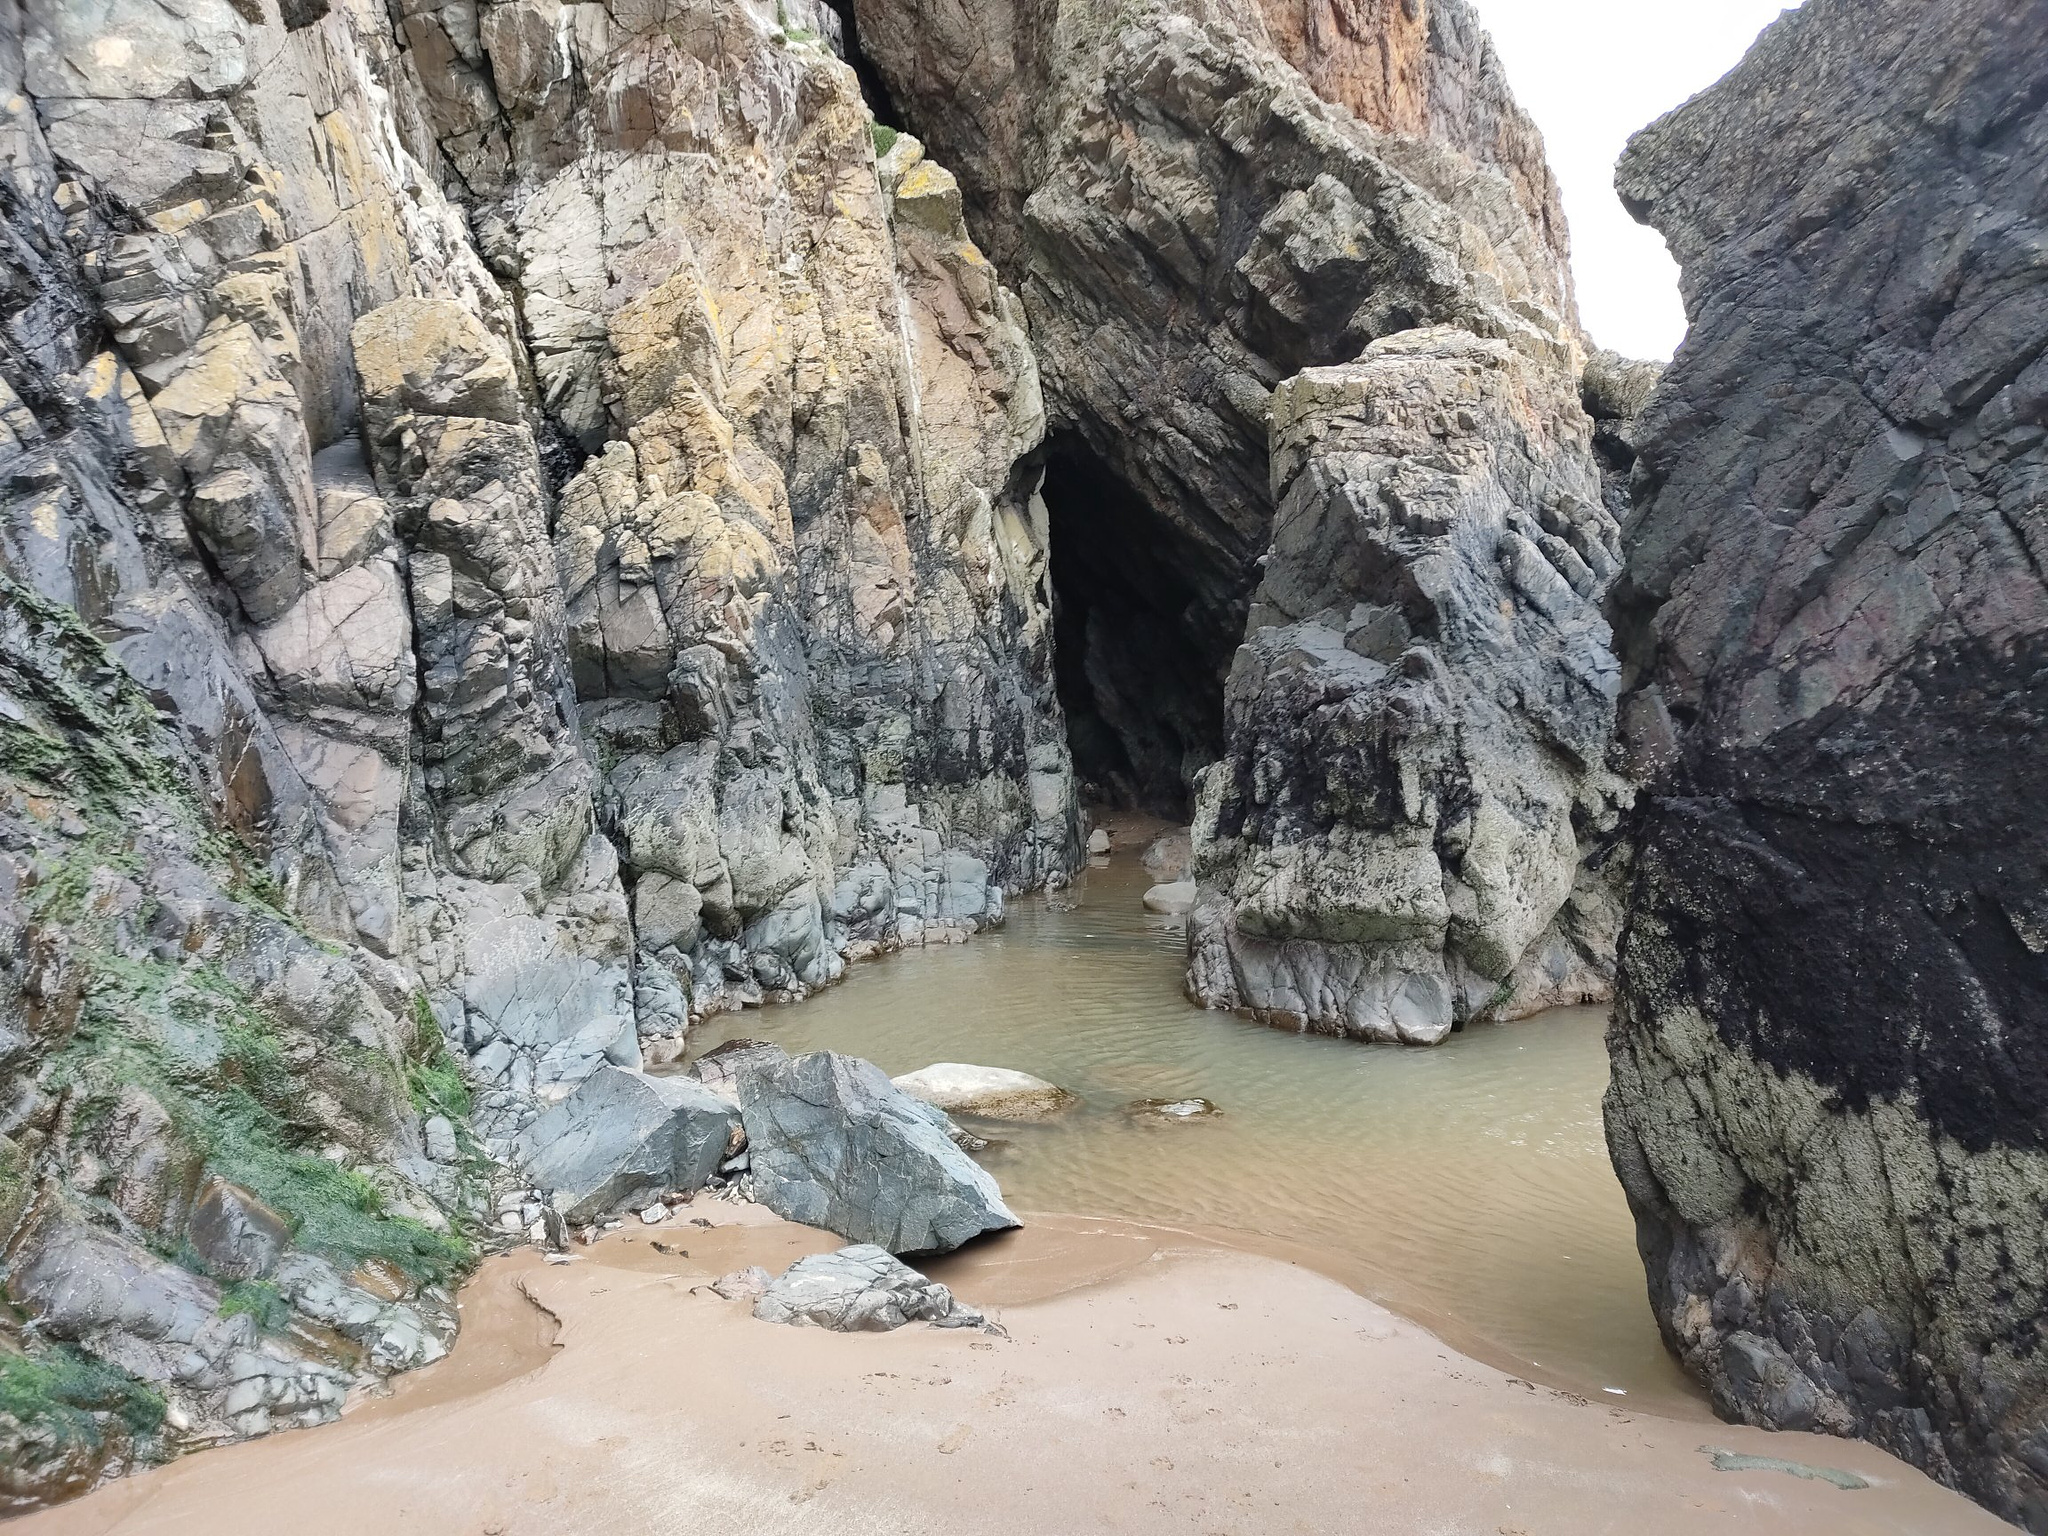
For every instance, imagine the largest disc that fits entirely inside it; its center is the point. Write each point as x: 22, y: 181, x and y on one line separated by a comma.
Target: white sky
x: 1591, y: 72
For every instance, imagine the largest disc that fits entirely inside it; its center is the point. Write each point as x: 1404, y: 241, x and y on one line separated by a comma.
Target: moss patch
x: 59, y: 1390
x: 214, y: 1060
x: 258, y: 1299
x: 884, y: 136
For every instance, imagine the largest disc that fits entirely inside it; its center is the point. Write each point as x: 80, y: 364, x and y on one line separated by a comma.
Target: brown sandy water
x: 1465, y: 1186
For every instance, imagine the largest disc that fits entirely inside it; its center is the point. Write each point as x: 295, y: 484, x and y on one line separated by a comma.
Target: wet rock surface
x: 1828, y: 1043
x: 999, y: 1093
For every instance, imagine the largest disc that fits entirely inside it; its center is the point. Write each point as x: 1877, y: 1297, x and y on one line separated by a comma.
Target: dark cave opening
x: 1145, y: 622
x: 872, y: 86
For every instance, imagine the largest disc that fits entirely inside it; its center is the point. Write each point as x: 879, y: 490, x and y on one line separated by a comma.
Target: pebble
x: 1172, y: 1109
x: 654, y: 1215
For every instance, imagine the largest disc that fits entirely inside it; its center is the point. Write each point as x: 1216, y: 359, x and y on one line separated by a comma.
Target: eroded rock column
x: 1419, y: 719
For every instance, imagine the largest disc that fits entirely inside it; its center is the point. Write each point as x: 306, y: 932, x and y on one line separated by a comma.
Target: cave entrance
x: 1144, y: 626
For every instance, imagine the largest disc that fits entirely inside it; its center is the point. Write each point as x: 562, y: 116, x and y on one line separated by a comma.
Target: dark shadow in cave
x: 1144, y: 625
x: 871, y: 86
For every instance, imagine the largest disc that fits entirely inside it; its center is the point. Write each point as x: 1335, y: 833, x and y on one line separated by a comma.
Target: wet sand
x: 1150, y: 1383
x: 1467, y: 1187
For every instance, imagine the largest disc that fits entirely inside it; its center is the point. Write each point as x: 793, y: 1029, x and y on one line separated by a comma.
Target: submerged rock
x: 1175, y: 899
x: 624, y: 1137
x: 1829, y: 1100
x: 996, y: 1092
x: 1171, y: 1110
x: 861, y: 1289
x: 834, y: 1144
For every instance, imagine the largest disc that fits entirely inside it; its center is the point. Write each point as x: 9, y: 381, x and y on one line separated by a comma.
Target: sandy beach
x: 1148, y: 1383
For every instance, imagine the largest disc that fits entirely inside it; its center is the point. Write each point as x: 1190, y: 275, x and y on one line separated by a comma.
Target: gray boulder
x: 236, y: 1235
x: 862, y: 1289
x: 835, y: 1144
x: 623, y: 1138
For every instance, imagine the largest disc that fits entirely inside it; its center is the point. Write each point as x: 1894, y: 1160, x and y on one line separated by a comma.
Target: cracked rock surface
x: 518, y: 532
x: 1829, y: 1062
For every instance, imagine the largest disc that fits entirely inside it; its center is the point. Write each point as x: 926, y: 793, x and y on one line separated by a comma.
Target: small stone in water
x: 1172, y: 1109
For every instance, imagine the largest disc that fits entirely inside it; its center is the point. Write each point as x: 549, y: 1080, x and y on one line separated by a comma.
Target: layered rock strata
x: 1189, y: 223
x: 518, y: 532
x: 1419, y: 721
x: 1829, y: 1084
x: 1205, y: 240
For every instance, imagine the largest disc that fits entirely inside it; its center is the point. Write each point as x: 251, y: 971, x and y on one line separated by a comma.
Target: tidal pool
x: 1466, y: 1186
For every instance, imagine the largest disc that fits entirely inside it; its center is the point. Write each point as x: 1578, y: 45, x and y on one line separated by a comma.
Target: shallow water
x: 1466, y: 1186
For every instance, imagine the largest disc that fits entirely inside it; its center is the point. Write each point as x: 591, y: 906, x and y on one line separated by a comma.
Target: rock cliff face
x: 526, y: 523
x: 1204, y: 244
x: 518, y: 532
x: 1830, y: 1068
x: 1189, y: 224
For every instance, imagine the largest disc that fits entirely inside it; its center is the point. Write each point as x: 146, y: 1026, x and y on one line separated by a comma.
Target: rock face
x: 518, y: 531
x: 833, y: 1143
x: 1189, y: 224
x: 1206, y: 247
x: 862, y: 1289
x: 1829, y: 1084
x: 524, y: 524
x: 1422, y: 713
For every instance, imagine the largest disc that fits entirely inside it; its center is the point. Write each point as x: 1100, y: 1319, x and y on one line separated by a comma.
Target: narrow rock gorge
x: 527, y: 525
x: 1829, y: 1070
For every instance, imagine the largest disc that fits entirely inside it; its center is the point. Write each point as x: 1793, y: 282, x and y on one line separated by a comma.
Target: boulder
x: 747, y: 1284
x: 1418, y: 724
x: 623, y: 1138
x: 861, y: 1289
x: 1170, y: 856
x: 996, y: 1092
x: 1098, y: 842
x: 1175, y: 899
x: 236, y: 1236
x: 835, y: 1144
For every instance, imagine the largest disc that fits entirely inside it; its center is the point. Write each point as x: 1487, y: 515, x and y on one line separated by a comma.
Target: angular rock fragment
x: 860, y: 1289
x: 834, y: 1144
x: 622, y: 1138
